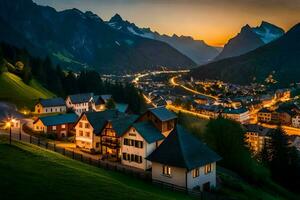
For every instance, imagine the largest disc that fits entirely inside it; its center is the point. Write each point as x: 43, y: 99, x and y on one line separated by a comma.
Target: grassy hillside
x: 14, y: 90
x: 28, y: 172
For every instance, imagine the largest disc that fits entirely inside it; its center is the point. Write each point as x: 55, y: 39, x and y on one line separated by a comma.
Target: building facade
x: 54, y: 105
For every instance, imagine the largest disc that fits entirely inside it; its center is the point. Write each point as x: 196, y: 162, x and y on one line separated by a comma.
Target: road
x: 174, y: 83
x: 177, y: 109
x: 289, y: 130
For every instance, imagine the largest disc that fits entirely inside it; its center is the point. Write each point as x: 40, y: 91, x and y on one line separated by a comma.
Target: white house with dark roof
x: 184, y: 161
x: 54, y: 105
x: 139, y: 141
x: 80, y: 103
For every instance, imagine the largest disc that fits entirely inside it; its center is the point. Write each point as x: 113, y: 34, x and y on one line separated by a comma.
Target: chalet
x: 100, y: 102
x: 163, y: 119
x: 60, y: 124
x: 80, y: 103
x: 54, y: 105
x: 184, y: 161
x: 257, y: 137
x: 138, y: 142
x: 241, y: 115
x: 101, y: 131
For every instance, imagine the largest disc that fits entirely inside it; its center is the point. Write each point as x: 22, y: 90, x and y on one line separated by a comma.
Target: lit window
x: 63, y: 126
x: 207, y: 169
x: 80, y: 124
x: 80, y: 133
x: 87, y: 125
x: 54, y: 128
x: 195, y: 173
x: 87, y: 134
x: 166, y: 170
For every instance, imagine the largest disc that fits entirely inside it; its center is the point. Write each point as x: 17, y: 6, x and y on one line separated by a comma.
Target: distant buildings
x: 264, y: 115
x: 241, y: 115
x: 257, y: 137
x: 54, y: 105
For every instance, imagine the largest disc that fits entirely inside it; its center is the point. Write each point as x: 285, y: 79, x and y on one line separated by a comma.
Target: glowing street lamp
x: 9, y: 124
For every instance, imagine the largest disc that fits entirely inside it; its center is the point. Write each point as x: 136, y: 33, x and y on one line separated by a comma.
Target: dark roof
x: 98, y: 100
x: 106, y: 97
x: 121, y: 107
x: 162, y: 113
x: 81, y: 98
x: 120, y: 121
x: 235, y: 111
x: 148, y: 131
x: 52, y: 102
x: 121, y: 124
x: 260, y: 130
x: 59, y: 119
x: 265, y: 110
x: 181, y: 149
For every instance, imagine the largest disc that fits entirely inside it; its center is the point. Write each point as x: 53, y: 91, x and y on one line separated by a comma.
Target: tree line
x: 62, y: 83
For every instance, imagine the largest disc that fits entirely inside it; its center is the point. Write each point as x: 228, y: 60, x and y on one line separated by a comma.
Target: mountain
x: 249, y: 39
x: 79, y: 39
x: 197, y: 50
x: 279, y: 58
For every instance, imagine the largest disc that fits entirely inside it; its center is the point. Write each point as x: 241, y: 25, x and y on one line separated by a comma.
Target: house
x: 296, y: 121
x: 80, y: 103
x: 241, y: 115
x: 138, y: 142
x: 264, y: 115
x: 184, y: 161
x: 163, y: 119
x: 54, y: 105
x: 257, y: 137
x: 101, y: 131
x: 60, y: 124
x: 213, y: 111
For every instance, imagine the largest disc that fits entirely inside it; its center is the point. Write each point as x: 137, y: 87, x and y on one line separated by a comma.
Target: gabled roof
x: 162, y: 113
x: 148, y: 131
x: 52, y: 102
x: 120, y: 121
x: 106, y: 97
x: 181, y: 149
x: 58, y: 119
x: 260, y: 130
x: 121, y: 107
x: 81, y: 98
x: 102, y: 99
x: 121, y: 124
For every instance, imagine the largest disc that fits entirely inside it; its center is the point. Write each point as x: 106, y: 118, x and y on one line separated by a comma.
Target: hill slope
x: 279, y: 58
x: 77, y: 39
x: 14, y: 90
x: 43, y: 174
x: 197, y: 50
x: 249, y: 39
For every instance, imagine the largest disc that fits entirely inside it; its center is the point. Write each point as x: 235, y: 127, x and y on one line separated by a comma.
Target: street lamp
x: 9, y: 124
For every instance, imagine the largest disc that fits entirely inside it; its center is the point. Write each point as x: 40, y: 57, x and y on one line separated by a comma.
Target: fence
x: 144, y: 175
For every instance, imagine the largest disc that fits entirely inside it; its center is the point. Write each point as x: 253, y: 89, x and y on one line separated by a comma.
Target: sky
x: 214, y: 21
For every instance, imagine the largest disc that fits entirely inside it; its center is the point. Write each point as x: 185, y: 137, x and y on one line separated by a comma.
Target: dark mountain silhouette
x: 79, y: 39
x: 280, y: 58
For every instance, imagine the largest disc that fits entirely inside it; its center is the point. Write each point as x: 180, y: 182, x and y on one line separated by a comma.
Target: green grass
x: 29, y: 172
x: 195, y: 125
x: 14, y: 90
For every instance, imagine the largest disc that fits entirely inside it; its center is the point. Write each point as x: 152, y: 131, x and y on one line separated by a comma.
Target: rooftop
x: 81, y: 98
x: 260, y: 130
x: 52, y: 102
x: 58, y: 119
x: 162, y: 113
x: 181, y: 149
x: 148, y: 131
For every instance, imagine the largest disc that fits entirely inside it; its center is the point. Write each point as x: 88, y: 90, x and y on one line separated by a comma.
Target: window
x: 80, y: 124
x: 80, y: 133
x: 207, y: 169
x: 87, y: 125
x: 97, y: 144
x: 46, y: 110
x: 166, y: 170
x: 63, y: 126
x: 87, y: 134
x: 195, y: 173
x: 124, y: 156
x: 126, y: 141
x: 54, y: 128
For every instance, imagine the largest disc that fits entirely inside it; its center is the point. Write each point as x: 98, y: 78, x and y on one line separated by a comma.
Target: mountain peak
x: 246, y: 28
x: 116, y: 18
